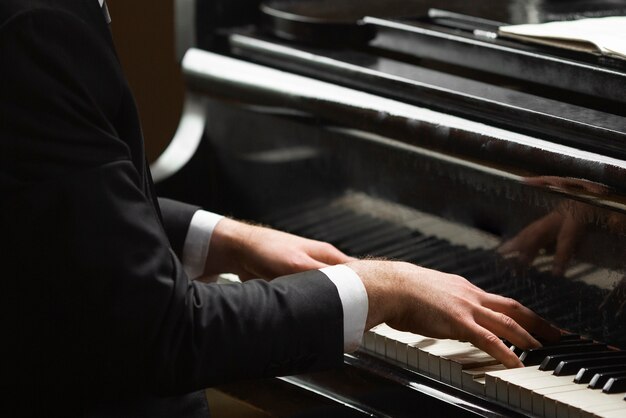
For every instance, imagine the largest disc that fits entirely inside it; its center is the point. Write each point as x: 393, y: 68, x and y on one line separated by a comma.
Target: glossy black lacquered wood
x: 546, y: 66
x: 547, y: 117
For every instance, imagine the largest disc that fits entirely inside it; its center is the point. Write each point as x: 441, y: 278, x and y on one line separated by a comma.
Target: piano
x: 411, y: 130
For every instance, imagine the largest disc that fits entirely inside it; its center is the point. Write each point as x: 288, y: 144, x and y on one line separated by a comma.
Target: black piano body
x: 423, y: 127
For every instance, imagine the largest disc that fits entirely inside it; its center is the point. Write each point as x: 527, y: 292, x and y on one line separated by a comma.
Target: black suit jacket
x: 96, y: 311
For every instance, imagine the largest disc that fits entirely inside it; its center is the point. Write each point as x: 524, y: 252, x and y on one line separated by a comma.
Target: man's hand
x: 557, y: 227
x: 440, y: 305
x: 252, y: 251
x: 565, y: 226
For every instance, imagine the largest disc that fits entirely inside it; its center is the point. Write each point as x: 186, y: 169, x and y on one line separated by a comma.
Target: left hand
x: 252, y: 251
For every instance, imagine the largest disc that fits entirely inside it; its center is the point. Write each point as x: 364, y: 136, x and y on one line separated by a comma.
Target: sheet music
x: 605, y: 36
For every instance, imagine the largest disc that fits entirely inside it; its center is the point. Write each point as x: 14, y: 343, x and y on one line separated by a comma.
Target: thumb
x: 329, y: 254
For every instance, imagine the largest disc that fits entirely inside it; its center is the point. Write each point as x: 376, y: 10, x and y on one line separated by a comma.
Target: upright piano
x: 411, y: 130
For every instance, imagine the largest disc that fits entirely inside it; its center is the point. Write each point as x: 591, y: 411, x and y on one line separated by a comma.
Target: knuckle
x: 508, y: 322
x: 512, y: 304
x: 490, y: 339
x: 296, y: 263
x: 457, y: 277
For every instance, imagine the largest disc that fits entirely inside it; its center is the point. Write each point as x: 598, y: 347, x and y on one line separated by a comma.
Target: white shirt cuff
x: 354, y: 301
x: 196, y: 246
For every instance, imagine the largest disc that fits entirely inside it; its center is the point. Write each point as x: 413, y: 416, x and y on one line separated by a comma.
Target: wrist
x: 227, y: 247
x: 382, y: 284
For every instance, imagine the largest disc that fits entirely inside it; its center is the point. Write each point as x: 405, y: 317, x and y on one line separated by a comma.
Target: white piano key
x: 413, y: 356
x: 596, y: 411
x: 524, y: 388
x: 613, y: 414
x: 471, y: 359
x: 369, y: 341
x: 437, y: 356
x: 555, y: 400
x: 588, y: 400
x: 497, y: 382
x: 490, y: 386
x: 391, y: 349
x: 381, y: 332
x: 428, y: 346
x: 407, y: 349
x: 602, y: 409
x: 392, y: 339
x: 473, y: 380
x: 516, y: 386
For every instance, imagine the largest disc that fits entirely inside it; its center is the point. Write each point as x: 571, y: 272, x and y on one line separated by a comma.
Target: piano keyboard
x: 530, y: 389
x: 436, y: 243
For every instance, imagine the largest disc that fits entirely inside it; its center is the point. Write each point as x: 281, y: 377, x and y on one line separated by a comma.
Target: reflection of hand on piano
x: 440, y: 305
x: 615, y: 302
x: 564, y: 226
x: 252, y: 251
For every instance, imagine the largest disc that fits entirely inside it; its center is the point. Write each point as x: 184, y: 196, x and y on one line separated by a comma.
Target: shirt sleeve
x: 354, y: 302
x: 197, y: 241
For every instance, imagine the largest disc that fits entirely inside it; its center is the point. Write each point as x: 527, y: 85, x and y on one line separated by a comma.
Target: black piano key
x: 419, y: 255
x: 483, y: 279
x: 615, y: 385
x: 567, y: 341
x: 536, y: 356
x: 435, y: 260
x: 571, y: 367
x: 551, y: 362
x: 302, y: 225
x: 586, y: 374
x: 282, y: 214
x: 600, y: 379
x: 335, y: 232
x: 424, y: 247
x: 561, y: 342
x: 389, y: 250
x: 383, y: 236
x: 313, y: 225
x: 570, y: 337
x: 467, y: 257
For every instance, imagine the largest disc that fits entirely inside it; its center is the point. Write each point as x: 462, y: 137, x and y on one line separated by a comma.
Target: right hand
x: 440, y: 305
x: 564, y: 227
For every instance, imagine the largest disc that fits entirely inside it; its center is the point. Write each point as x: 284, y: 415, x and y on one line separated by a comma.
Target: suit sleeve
x: 107, y: 306
x: 176, y: 221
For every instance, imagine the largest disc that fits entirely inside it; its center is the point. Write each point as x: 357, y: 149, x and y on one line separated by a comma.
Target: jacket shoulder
x: 11, y: 9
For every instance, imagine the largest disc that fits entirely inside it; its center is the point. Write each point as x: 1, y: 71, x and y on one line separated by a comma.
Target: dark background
x: 144, y: 37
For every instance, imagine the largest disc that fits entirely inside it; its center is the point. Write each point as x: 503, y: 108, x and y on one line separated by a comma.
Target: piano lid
x: 509, y: 11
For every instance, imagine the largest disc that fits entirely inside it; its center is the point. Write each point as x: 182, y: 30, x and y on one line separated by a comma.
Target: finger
x: 540, y: 180
x: 565, y: 245
x: 525, y: 317
x: 504, y: 326
x: 328, y: 254
x: 492, y: 345
x: 527, y: 244
x: 568, y: 183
